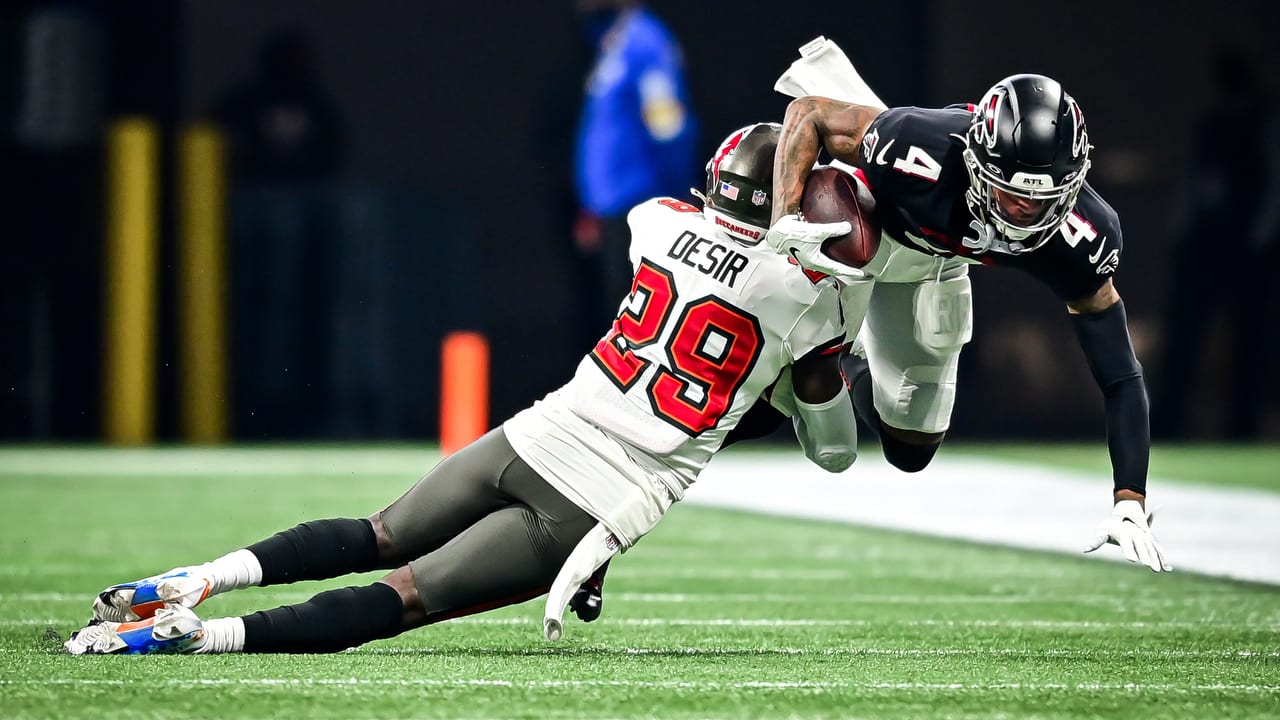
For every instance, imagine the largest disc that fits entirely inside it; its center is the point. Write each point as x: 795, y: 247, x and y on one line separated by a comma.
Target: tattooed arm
x: 813, y: 123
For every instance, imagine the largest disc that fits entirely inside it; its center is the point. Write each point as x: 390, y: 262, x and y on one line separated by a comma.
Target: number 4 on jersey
x: 1076, y: 228
x: 918, y: 163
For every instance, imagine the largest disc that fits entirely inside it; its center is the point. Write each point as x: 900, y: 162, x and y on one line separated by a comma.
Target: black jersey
x: 911, y: 160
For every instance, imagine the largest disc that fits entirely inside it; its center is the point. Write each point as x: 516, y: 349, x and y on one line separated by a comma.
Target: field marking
x: 824, y: 622
x: 641, y: 567
x: 719, y: 573
x: 868, y: 652
x: 1219, y: 531
x: 884, y: 652
x: 655, y: 684
x: 782, y: 598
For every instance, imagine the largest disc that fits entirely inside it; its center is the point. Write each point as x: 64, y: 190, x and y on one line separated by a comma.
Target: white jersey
x: 709, y: 325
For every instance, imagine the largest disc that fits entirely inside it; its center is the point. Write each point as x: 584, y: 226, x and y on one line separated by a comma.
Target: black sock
x: 317, y: 550
x: 864, y: 405
x: 329, y: 622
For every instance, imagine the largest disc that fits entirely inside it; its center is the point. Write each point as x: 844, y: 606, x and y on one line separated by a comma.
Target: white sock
x: 223, y: 635
x: 233, y: 571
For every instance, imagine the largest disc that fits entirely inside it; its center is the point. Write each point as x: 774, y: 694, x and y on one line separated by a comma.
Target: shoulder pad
x: 893, y: 134
x: 660, y: 208
x: 658, y: 220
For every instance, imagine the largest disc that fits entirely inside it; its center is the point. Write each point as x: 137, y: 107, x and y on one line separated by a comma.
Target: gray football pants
x: 485, y: 530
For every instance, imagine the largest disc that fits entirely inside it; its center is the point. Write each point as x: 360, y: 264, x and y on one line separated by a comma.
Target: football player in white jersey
x: 714, y: 321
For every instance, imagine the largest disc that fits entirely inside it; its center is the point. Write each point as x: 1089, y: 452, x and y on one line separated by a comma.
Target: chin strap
x: 987, y: 238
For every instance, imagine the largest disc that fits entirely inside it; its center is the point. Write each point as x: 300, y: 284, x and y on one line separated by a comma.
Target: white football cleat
x: 140, y: 599
x: 172, y: 629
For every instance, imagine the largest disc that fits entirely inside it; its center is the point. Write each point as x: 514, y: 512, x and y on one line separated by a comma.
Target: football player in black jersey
x: 997, y: 183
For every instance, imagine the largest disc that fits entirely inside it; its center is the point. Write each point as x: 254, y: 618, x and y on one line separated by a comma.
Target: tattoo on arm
x: 1097, y: 302
x: 813, y: 123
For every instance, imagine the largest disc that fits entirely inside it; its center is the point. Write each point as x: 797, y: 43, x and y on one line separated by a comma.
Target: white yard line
x: 754, y: 598
x: 1102, y: 625
x: 1218, y: 531
x: 900, y: 652
x: 990, y: 652
x: 658, y: 684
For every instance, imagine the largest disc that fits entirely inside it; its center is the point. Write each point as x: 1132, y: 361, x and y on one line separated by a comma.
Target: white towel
x: 823, y: 69
x: 594, y: 550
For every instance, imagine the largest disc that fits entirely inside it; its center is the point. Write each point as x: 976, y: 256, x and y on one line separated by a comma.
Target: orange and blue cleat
x: 171, y: 629
x: 140, y: 599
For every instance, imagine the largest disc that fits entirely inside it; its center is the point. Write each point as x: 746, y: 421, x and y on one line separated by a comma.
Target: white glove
x: 1130, y: 527
x: 803, y: 241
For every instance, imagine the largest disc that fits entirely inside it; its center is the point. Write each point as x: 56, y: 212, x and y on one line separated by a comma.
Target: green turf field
x: 717, y: 614
x: 1254, y: 466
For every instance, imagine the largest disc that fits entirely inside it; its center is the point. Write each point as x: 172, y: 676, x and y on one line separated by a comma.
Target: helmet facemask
x: 1027, y: 140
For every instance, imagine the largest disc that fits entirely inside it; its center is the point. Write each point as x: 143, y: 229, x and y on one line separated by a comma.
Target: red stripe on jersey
x: 814, y: 276
x: 862, y: 178
x: 939, y: 236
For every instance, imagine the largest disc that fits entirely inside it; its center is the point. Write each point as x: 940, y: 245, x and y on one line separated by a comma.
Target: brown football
x: 831, y: 196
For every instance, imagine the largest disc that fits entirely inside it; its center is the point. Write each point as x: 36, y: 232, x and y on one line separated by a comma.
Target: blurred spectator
x: 1224, y: 253
x: 286, y: 148
x: 636, y: 140
x: 283, y: 126
x: 52, y: 99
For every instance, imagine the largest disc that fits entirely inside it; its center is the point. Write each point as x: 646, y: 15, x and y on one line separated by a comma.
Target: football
x: 831, y: 196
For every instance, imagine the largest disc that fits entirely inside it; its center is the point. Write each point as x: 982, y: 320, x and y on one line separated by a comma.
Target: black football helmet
x: 739, y: 191
x: 1027, y: 139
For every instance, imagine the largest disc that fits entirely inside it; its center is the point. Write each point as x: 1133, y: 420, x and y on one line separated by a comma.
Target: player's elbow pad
x: 828, y: 432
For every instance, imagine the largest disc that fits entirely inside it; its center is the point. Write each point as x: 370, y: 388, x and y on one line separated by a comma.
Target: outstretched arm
x: 1103, y: 331
x: 813, y: 123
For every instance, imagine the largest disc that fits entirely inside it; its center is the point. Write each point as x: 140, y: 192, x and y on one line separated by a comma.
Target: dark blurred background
x: 430, y: 190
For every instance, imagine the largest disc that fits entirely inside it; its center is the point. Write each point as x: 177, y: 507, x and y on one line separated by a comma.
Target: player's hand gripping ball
x: 832, y: 196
